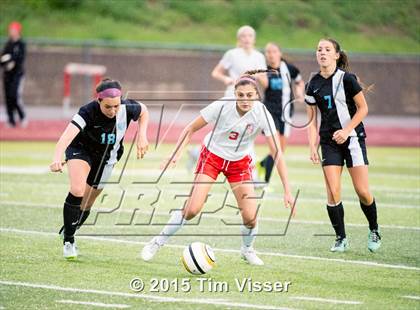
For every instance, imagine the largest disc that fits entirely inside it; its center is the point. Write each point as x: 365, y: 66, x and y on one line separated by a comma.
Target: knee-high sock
x: 174, y: 224
x: 371, y: 214
x: 336, y: 214
x: 248, y: 235
x: 71, y: 212
x: 84, y: 214
x: 268, y: 164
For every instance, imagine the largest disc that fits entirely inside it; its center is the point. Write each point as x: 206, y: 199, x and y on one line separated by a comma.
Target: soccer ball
x: 198, y: 258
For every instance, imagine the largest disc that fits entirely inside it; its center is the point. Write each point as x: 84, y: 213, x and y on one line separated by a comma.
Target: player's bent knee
x: 250, y: 223
x: 364, y: 195
x: 77, y: 191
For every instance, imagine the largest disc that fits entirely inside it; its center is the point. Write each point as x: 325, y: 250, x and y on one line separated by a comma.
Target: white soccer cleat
x: 150, y: 249
x: 249, y: 255
x: 69, y: 250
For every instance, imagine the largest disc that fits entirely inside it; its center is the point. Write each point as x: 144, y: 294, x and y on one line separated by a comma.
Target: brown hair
x: 107, y: 83
x: 343, y: 63
x: 283, y: 58
x: 248, y: 79
x: 343, y: 60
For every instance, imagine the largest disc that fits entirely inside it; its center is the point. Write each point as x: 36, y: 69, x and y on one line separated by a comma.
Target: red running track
x: 50, y: 130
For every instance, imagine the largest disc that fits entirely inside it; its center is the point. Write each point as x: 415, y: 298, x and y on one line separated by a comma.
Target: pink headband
x: 109, y: 93
x: 245, y: 78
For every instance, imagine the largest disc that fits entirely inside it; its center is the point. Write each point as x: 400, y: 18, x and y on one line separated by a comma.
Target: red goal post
x: 96, y: 72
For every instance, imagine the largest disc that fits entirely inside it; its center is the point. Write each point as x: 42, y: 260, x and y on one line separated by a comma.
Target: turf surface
x: 33, y: 273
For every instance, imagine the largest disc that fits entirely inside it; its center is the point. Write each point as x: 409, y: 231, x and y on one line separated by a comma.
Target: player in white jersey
x: 237, y: 121
x: 237, y: 61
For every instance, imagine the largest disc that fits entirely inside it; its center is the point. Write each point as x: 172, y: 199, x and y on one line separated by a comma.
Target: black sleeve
x: 133, y: 110
x: 294, y: 72
x: 19, y: 55
x: 82, y: 119
x: 4, y: 52
x: 351, y: 85
x: 309, y: 94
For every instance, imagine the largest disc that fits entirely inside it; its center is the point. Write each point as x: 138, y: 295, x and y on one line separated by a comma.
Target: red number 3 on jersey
x: 233, y: 135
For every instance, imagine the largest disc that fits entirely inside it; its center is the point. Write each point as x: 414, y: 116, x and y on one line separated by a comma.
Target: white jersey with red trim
x: 233, y: 135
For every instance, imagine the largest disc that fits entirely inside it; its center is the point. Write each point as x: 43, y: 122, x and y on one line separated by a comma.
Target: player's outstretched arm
x: 185, y: 139
x: 142, y: 142
x: 311, y: 111
x: 275, y: 150
x: 68, y: 135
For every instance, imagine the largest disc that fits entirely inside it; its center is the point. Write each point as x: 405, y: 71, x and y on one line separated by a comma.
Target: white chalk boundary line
x: 142, y: 296
x: 207, y: 215
x: 402, y: 192
x: 268, y: 195
x: 157, y: 172
x: 411, y: 297
x: 92, y: 303
x: 333, y: 301
x: 294, y: 158
x: 178, y: 246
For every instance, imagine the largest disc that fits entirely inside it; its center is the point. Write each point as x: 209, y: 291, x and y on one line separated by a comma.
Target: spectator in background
x: 12, y: 59
x: 238, y: 60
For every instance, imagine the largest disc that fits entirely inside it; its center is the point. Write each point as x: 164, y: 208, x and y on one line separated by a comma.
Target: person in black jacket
x: 12, y: 59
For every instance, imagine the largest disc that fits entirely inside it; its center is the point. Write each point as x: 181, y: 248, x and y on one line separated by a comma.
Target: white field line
x: 207, y: 215
x: 44, y: 170
x: 268, y: 196
x: 178, y: 246
x: 334, y: 301
x: 93, y: 304
x: 389, y: 191
x: 140, y: 296
x: 411, y: 297
x: 390, y: 162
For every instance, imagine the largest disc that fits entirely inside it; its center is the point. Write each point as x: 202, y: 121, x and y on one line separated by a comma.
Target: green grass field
x: 380, y: 26
x: 33, y: 273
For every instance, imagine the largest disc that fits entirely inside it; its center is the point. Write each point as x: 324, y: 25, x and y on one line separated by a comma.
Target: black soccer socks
x: 336, y: 214
x: 371, y: 214
x: 268, y: 164
x: 84, y: 214
x: 71, y: 213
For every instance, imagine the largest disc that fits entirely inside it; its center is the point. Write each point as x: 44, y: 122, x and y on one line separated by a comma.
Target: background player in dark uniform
x: 93, y: 144
x: 282, y: 84
x: 12, y: 59
x: 340, y: 100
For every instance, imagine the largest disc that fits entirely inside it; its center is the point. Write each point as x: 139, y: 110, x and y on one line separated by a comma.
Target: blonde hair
x: 244, y: 28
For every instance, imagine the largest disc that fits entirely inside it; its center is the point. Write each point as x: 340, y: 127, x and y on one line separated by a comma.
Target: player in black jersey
x: 283, y: 84
x: 93, y: 144
x: 12, y: 60
x: 339, y: 97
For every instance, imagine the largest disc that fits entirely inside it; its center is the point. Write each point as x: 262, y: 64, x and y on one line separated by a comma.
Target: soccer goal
x: 96, y: 72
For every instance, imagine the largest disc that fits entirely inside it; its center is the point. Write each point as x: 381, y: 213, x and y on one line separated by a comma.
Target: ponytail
x: 343, y: 61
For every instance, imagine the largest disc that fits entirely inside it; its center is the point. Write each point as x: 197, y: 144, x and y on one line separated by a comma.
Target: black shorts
x: 353, y: 152
x: 100, y: 171
x: 282, y: 126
